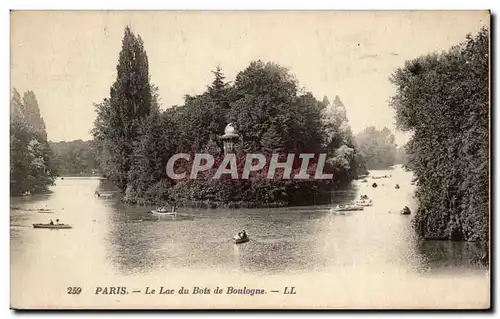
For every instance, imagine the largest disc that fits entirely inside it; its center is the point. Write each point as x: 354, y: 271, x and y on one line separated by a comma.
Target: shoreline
x: 208, y: 204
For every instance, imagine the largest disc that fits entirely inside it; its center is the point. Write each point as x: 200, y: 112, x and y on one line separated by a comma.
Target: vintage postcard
x: 250, y: 160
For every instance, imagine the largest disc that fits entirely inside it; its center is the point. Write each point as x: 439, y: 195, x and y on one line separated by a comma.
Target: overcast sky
x: 69, y: 58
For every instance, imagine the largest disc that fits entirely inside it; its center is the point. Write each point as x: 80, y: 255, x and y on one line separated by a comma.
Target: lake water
x: 369, y: 259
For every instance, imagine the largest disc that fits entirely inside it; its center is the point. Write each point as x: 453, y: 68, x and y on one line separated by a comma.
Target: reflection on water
x: 449, y: 255
x: 113, y: 240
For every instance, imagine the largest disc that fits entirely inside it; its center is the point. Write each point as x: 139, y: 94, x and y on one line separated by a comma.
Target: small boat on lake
x: 45, y: 210
x: 164, y: 211
x: 364, y: 203
x: 52, y: 226
x: 239, y: 240
x: 242, y: 237
x: 103, y: 195
x: 347, y: 208
x: 406, y: 211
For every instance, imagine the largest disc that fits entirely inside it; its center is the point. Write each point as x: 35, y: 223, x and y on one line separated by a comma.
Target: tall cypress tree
x: 129, y: 103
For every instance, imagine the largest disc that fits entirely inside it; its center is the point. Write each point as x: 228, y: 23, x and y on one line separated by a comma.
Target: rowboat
x: 348, y: 208
x: 45, y: 210
x: 363, y: 203
x: 103, y: 195
x: 163, y: 211
x: 163, y: 214
x: 54, y: 226
x: 405, y: 211
x: 239, y: 240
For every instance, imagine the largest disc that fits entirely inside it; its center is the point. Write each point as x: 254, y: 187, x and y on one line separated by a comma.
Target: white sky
x: 69, y: 58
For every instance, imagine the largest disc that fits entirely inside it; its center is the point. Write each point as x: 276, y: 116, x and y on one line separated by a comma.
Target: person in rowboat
x: 243, y: 235
x: 51, y: 222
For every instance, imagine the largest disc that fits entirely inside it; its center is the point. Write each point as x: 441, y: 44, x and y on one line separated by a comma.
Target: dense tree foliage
x: 31, y: 166
x: 444, y: 100
x: 270, y: 115
x: 377, y: 148
x: 340, y: 140
x: 74, y: 158
x: 120, y: 116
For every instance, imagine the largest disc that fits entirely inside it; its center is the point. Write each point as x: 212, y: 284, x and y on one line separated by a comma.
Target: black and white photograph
x: 250, y: 160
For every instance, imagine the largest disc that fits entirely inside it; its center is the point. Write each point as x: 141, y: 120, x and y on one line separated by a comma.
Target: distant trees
x: 339, y: 140
x: 31, y: 166
x: 378, y: 148
x: 74, y: 158
x: 444, y: 100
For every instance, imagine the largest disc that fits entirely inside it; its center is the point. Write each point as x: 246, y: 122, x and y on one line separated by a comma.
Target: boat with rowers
x: 45, y: 211
x: 241, y: 238
x: 103, y: 195
x: 55, y: 226
x: 346, y: 208
x: 164, y: 211
x: 52, y: 225
x: 364, y: 203
x: 406, y: 211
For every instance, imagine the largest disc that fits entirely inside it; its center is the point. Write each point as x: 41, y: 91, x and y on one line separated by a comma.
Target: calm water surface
x: 368, y: 259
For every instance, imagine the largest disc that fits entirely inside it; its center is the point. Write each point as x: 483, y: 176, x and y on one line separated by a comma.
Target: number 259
x: 74, y: 290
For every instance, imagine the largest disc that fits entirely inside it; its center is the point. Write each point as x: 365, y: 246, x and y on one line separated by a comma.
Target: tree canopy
x: 134, y: 138
x: 444, y: 100
x: 31, y: 167
x: 119, y: 117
